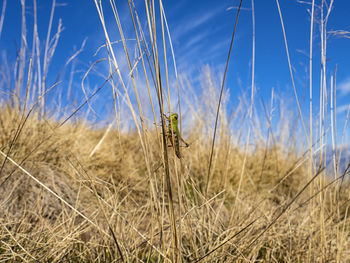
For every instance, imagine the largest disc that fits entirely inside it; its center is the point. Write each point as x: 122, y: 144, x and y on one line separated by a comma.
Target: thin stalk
x: 115, y: 64
x: 343, y: 135
x: 220, y: 98
x: 335, y: 123
x: 310, y: 170
x: 310, y: 81
x: 290, y: 69
x: 46, y: 51
x: 21, y: 123
x: 116, y: 16
x: 175, y: 67
x: 2, y: 15
x: 177, y: 232
x: 22, y: 54
x: 142, y: 59
x: 152, y: 29
x: 251, y: 104
x: 165, y: 54
x: 332, y: 129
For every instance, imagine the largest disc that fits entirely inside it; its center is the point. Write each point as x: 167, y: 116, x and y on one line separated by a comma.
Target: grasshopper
x: 173, y: 133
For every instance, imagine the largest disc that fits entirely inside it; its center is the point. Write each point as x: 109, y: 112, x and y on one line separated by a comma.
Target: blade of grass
x: 220, y: 98
x: 251, y: 105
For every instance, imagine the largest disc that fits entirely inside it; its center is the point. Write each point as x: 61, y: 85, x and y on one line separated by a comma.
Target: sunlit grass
x: 71, y: 192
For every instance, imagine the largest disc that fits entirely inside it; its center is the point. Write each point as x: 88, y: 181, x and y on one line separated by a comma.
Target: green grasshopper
x: 173, y: 133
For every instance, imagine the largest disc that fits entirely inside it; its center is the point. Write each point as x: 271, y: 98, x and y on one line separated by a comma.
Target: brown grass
x: 112, y: 187
x: 71, y: 192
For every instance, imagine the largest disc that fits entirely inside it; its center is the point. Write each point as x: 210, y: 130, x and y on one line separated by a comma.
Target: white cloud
x: 195, y: 20
x: 196, y: 38
x: 344, y: 86
x: 343, y: 108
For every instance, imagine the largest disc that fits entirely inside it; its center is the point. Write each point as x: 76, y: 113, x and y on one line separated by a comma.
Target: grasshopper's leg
x: 177, y: 147
x: 175, y: 143
x: 184, y: 141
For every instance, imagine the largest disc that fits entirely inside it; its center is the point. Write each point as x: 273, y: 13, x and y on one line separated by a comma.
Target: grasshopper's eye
x: 175, y: 117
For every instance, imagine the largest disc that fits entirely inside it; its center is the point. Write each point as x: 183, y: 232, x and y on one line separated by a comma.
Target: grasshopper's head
x: 173, y: 118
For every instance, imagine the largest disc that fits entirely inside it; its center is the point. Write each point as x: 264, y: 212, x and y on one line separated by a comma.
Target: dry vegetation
x: 114, y: 189
x: 70, y: 192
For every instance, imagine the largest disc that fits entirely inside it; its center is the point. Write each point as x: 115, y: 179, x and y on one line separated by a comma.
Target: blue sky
x: 201, y: 32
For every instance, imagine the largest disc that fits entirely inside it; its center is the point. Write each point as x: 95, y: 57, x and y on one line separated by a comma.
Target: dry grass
x: 70, y: 192
x: 113, y: 188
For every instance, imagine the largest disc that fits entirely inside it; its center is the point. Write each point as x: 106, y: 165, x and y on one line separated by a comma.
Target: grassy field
x: 245, y: 190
